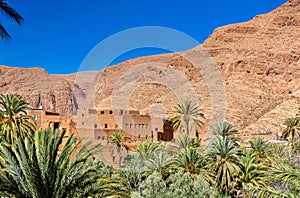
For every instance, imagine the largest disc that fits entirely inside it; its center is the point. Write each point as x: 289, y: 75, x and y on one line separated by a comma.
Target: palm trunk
x: 187, y: 127
x: 119, y: 156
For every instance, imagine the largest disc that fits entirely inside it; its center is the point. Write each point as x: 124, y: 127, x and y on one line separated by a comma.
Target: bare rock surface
x: 39, y: 88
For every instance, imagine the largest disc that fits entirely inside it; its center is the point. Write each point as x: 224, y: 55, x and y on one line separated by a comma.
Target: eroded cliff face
x: 259, y: 63
x: 38, y: 87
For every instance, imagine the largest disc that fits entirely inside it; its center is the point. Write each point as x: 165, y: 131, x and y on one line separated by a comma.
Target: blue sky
x: 58, y: 34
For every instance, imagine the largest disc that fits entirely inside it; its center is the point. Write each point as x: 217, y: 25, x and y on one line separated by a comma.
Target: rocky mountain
x: 256, y: 64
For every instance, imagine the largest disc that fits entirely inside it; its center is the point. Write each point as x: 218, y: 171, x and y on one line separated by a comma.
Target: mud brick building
x: 98, y: 125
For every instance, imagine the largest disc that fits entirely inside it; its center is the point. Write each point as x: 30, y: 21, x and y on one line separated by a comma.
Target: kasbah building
x: 97, y: 125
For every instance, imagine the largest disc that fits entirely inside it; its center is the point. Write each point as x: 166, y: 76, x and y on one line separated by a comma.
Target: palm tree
x: 118, y: 140
x: 259, y: 147
x: 225, y: 163
x: 159, y: 162
x: 40, y: 169
x: 12, y: 14
x: 188, y: 115
x: 225, y: 129
x: 280, y: 153
x: 292, y: 129
x: 267, y: 191
x: 187, y: 160
x: 14, y: 121
x: 183, y: 142
x: 147, y: 148
x: 187, y: 156
x: 287, y: 174
x: 252, y: 173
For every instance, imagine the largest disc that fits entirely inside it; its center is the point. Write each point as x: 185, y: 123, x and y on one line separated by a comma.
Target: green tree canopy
x: 42, y: 170
x: 14, y: 121
x: 119, y: 140
x: 188, y: 115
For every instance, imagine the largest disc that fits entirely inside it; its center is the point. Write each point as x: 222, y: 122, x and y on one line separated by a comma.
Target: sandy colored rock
x: 38, y: 87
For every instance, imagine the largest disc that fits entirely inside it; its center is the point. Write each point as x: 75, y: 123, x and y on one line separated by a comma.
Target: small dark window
x: 105, y: 126
x: 156, y: 129
x: 102, y: 112
x: 103, y: 137
x: 82, y: 115
x: 114, y: 158
x: 82, y: 123
x: 130, y: 125
x: 126, y: 125
x: 116, y: 126
x: 95, y: 126
x: 142, y: 125
x: 99, y: 137
x: 110, y: 112
x: 121, y: 112
x: 139, y: 136
x: 146, y: 136
x: 35, y: 117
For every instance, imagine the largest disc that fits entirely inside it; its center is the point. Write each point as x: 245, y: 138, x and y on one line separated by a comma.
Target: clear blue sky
x: 58, y: 34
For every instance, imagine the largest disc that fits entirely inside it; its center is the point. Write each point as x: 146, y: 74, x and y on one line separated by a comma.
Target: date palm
x: 12, y: 14
x: 159, y: 162
x: 259, y: 147
x: 225, y: 129
x: 292, y: 129
x: 268, y: 191
x: 253, y: 173
x: 42, y: 170
x: 188, y: 115
x: 187, y: 155
x: 225, y: 163
x: 187, y: 160
x: 183, y: 142
x: 14, y: 121
x: 119, y: 141
x: 147, y: 149
x: 287, y: 174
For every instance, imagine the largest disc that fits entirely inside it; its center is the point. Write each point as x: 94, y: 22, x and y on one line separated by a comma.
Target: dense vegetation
x: 36, y: 163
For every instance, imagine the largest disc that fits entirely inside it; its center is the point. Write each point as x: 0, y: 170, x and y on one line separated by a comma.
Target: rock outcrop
x: 52, y: 92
